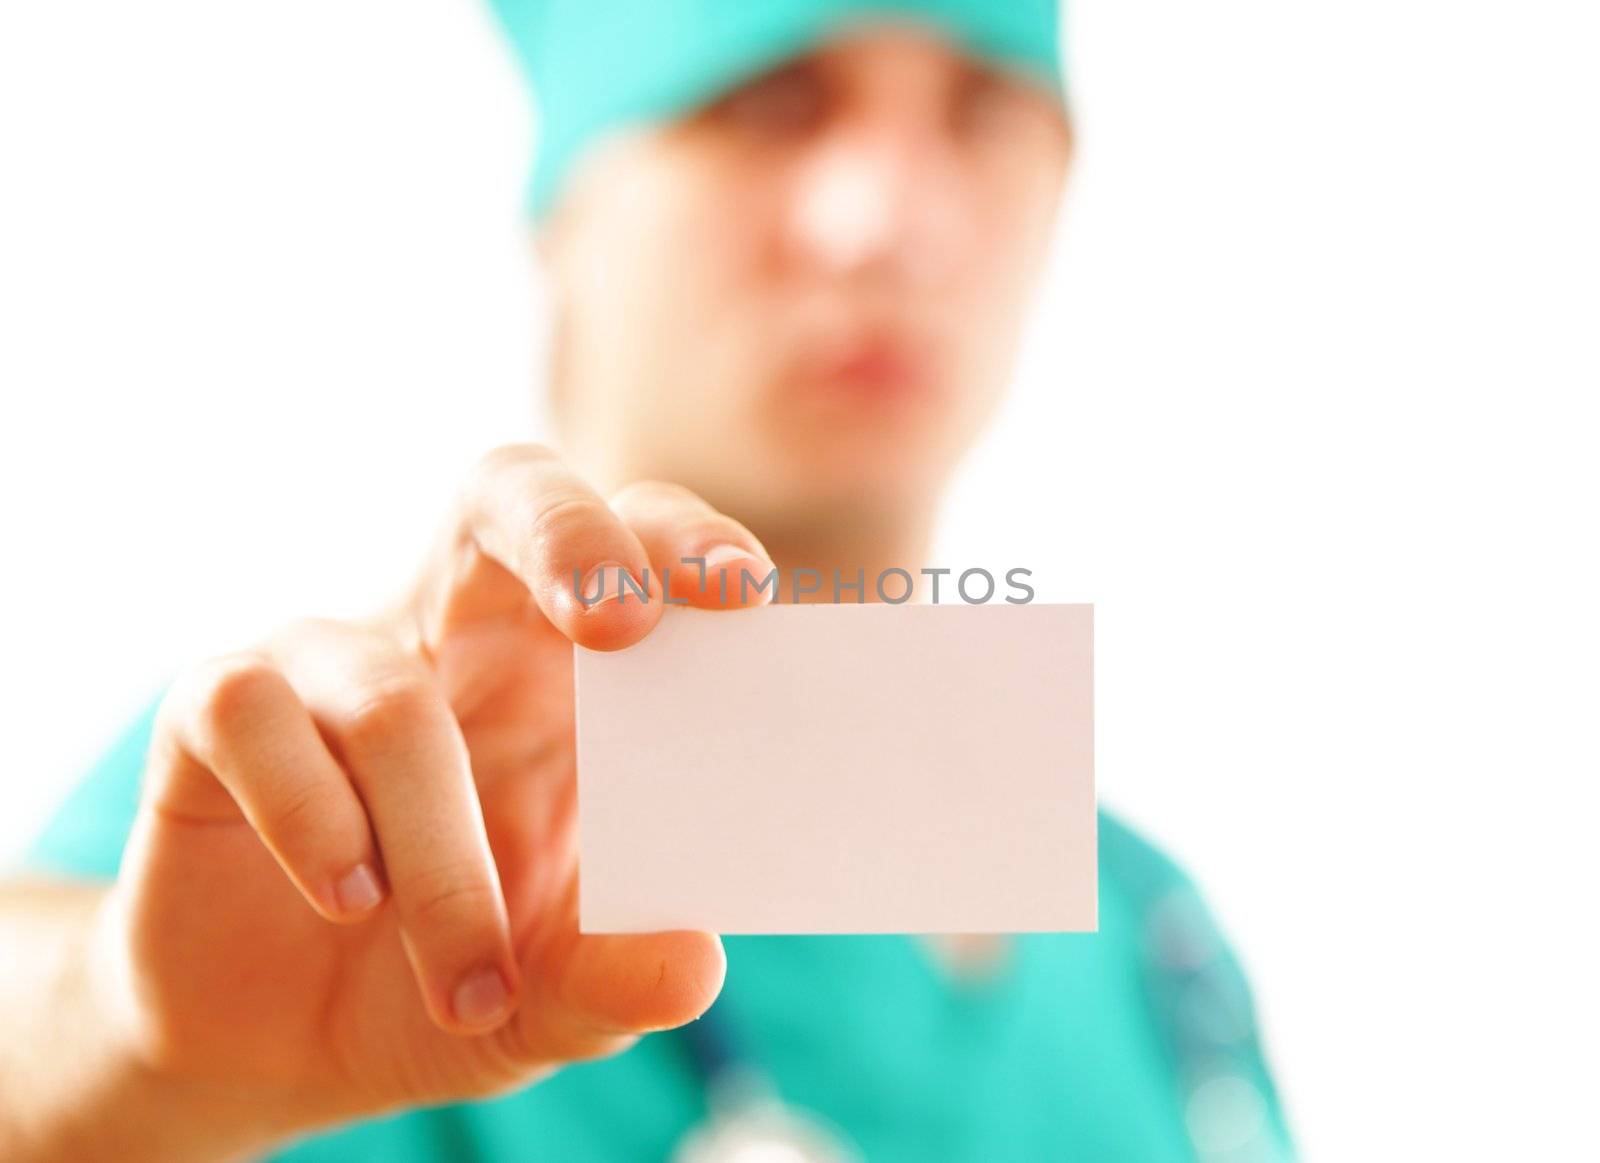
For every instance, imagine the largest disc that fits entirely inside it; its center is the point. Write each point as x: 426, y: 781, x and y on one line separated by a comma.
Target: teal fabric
x: 1134, y: 1043
x: 597, y: 65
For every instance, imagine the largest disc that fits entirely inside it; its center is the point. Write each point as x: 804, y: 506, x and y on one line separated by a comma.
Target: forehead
x: 887, y: 51
x: 886, y: 39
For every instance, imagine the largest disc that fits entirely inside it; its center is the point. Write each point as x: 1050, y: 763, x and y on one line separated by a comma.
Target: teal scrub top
x: 1137, y: 1042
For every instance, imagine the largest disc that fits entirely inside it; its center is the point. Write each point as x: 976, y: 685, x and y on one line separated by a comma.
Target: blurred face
x: 802, y: 302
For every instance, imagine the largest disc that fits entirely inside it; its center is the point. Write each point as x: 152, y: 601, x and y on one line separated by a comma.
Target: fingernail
x: 480, y: 997
x: 727, y: 553
x: 610, y: 581
x: 357, y: 890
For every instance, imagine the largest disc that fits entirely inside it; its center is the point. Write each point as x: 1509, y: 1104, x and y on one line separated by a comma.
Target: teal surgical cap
x: 599, y: 65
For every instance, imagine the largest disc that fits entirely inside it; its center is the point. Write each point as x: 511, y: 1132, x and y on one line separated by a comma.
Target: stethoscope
x: 747, y: 1120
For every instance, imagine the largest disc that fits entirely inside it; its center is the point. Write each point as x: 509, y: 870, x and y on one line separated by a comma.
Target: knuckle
x: 389, y: 706
x: 298, y: 809
x: 486, y: 478
x: 232, y: 690
x: 292, y: 635
x: 449, y: 893
x: 564, y: 510
x: 506, y: 457
x: 656, y: 492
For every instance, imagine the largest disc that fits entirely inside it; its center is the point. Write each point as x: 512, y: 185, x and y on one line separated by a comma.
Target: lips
x: 879, y: 364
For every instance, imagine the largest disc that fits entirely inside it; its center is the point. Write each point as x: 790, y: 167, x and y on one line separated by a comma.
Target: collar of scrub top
x: 600, y: 65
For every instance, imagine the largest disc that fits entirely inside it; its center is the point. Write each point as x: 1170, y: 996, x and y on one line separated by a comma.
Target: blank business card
x: 840, y: 769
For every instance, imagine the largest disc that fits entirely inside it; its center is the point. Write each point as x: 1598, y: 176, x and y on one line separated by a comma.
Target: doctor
x: 320, y: 902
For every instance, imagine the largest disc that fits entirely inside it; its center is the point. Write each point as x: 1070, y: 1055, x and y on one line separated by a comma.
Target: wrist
x: 144, y: 1103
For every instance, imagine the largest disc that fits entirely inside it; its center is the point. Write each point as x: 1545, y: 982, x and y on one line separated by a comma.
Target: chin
x: 864, y: 479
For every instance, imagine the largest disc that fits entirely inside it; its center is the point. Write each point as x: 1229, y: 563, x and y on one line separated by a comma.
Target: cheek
x: 711, y: 289
x: 1018, y: 213
x: 1015, y: 213
x: 669, y: 242
x: 686, y: 328
x: 1020, y: 200
x: 725, y: 251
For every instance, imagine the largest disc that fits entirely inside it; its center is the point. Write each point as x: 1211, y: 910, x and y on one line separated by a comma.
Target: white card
x: 841, y: 769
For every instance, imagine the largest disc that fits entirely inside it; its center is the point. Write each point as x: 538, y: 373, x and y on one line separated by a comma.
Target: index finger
x: 539, y: 520
x: 703, y: 557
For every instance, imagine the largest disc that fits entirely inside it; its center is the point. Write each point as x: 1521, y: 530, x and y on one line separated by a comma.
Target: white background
x: 1307, y: 411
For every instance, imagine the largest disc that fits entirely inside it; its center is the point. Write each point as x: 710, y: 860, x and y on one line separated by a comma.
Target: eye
x: 788, y: 102
x: 986, y: 103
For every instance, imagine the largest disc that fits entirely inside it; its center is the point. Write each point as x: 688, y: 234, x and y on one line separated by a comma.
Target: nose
x: 881, y: 197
